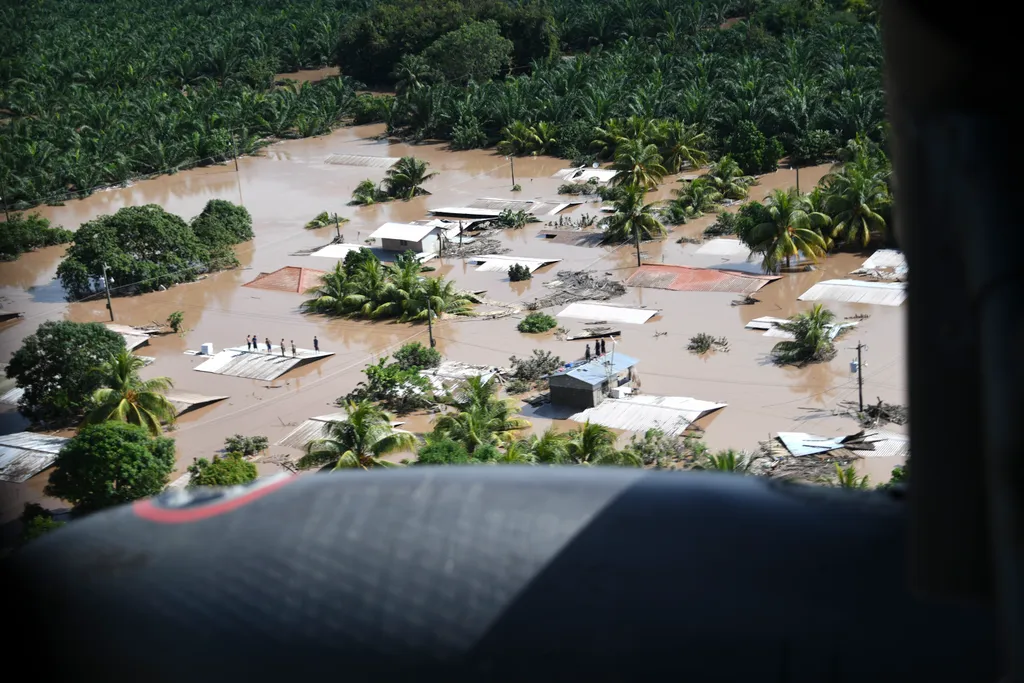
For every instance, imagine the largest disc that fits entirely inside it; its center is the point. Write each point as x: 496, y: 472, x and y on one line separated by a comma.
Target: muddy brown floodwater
x: 289, y: 183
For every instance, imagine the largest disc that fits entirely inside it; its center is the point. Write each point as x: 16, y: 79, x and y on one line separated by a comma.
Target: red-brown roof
x: 288, y: 279
x: 689, y: 279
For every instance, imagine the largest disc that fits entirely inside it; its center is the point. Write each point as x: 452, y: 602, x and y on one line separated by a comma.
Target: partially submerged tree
x: 230, y: 469
x: 405, y: 179
x: 21, y: 233
x: 633, y: 221
x: 638, y: 165
x: 476, y: 51
x: 126, y: 397
x: 359, y: 441
x: 246, y: 445
x: 792, y: 228
x: 111, y: 463
x: 479, y: 416
x: 726, y: 461
x: 55, y: 368
x: 811, y: 341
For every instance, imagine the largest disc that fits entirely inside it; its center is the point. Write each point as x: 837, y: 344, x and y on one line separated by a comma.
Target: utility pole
x: 860, y: 379
x: 512, y: 162
x: 636, y: 234
x: 234, y: 151
x: 797, y: 179
x: 337, y: 225
x: 460, y: 234
x: 430, y: 324
x: 106, y: 286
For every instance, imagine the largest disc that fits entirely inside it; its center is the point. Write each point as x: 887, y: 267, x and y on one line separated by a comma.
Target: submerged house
x: 585, y: 385
x: 419, y: 237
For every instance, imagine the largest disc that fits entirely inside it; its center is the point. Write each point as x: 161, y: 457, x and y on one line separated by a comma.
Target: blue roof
x: 596, y: 371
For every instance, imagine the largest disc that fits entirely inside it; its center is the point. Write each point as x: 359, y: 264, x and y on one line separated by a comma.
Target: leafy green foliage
x: 26, y: 233
x: 752, y: 150
x: 416, y: 356
x: 633, y: 220
x: 404, y: 180
x: 175, y: 320
x: 55, y: 367
x: 443, y: 452
x: 476, y: 51
x: 811, y: 342
x: 537, y: 366
x: 703, y: 342
x: 589, y: 187
x: 814, y: 147
x: 126, y: 397
x: 246, y: 445
x: 657, y: 449
x: 725, y: 224
x: 846, y: 478
x: 145, y: 248
x: 228, y: 470
x: 478, y: 417
x: 790, y: 227
x: 515, y: 220
x: 363, y: 287
x: 399, y: 389
x: 109, y: 464
x: 536, y: 322
x: 359, y: 441
x: 92, y: 98
x: 36, y: 521
x: 518, y: 273
x: 726, y: 461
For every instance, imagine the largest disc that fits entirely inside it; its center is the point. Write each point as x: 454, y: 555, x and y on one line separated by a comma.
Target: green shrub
x: 518, y: 273
x: 536, y: 322
x: 416, y: 356
x: 246, y: 445
x: 27, y: 233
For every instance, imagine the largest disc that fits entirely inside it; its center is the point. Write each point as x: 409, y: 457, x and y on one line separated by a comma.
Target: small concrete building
x: 419, y: 237
x: 585, y: 385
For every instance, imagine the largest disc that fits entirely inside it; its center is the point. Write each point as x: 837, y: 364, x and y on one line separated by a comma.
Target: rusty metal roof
x: 241, y: 362
x: 26, y: 454
x: 690, y: 279
x: 288, y: 279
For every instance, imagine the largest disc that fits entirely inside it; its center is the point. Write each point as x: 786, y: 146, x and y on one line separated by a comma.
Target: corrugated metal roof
x: 134, y: 337
x: 690, y: 279
x: 314, y: 428
x: 671, y: 414
x: 11, y: 397
x: 183, y: 401
x: 410, y: 232
x: 337, y: 251
x: 288, y: 279
x: 724, y: 247
x: 582, y: 174
x: 240, y: 362
x: 361, y: 160
x: 466, y: 211
x: 801, y: 443
x: 595, y: 312
x: 885, y: 264
x: 25, y: 454
x: 599, y: 369
x: 769, y: 324
x: 578, y: 238
x: 489, y: 207
x: 857, y: 292
x: 496, y: 262
x: 886, y: 444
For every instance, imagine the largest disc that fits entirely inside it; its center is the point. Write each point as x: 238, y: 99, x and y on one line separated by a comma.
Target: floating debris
x: 478, y: 247
x: 703, y: 342
x: 579, y: 285
x: 877, y: 414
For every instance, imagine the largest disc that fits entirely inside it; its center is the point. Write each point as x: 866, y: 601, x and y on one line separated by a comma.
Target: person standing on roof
x: 248, y: 343
x: 270, y: 347
x: 293, y: 348
x: 282, y: 347
x: 316, y: 344
x: 586, y: 356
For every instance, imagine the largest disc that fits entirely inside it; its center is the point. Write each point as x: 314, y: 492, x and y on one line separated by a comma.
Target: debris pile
x: 703, y: 342
x: 478, y: 247
x: 877, y: 414
x: 778, y: 463
x: 578, y: 285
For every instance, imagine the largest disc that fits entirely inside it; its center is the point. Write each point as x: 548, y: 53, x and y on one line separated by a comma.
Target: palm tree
x: 854, y: 197
x: 367, y: 193
x: 846, y: 478
x: 125, y: 397
x: 696, y: 197
x: 412, y: 72
x: 726, y: 461
x: 324, y: 219
x: 329, y: 295
x: 519, y: 138
x: 443, y: 297
x: 547, y: 137
x: 405, y: 178
x: 680, y: 145
x: 811, y: 341
x: 637, y: 164
x: 360, y: 440
x: 727, y: 177
x: 480, y: 417
x: 549, y: 447
x: 633, y: 219
x: 517, y: 453
x: 594, y: 444
x: 607, y: 138
x: 793, y: 229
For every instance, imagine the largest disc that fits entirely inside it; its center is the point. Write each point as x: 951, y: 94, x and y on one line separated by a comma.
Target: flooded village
x: 734, y: 398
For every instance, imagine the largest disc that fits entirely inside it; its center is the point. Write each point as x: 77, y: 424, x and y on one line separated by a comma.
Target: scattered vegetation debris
x: 578, y: 285
x: 659, y: 334
x: 589, y: 187
x: 518, y: 273
x: 478, y: 247
x: 776, y: 462
x: 509, y: 219
x: 703, y: 342
x: 584, y: 222
x: 877, y: 414
x: 528, y: 373
x: 859, y: 316
x: 690, y: 240
x: 536, y: 322
x: 746, y: 301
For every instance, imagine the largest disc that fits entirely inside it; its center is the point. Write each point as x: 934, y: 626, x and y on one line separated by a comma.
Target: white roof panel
x: 582, y: 175
x: 497, y: 262
x: 724, y: 247
x: 470, y: 211
x: 337, y: 251
x: 885, y: 264
x: 361, y: 160
x: 857, y: 292
x: 671, y: 414
x: 801, y: 443
x: 241, y: 362
x: 595, y: 312
x: 410, y: 232
x: 26, y: 454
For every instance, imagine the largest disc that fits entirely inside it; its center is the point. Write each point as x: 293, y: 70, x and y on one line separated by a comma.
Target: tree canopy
x: 475, y: 51
x: 55, y: 367
x: 109, y: 464
x: 228, y: 470
x: 26, y: 233
x: 126, y: 397
x: 145, y: 248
